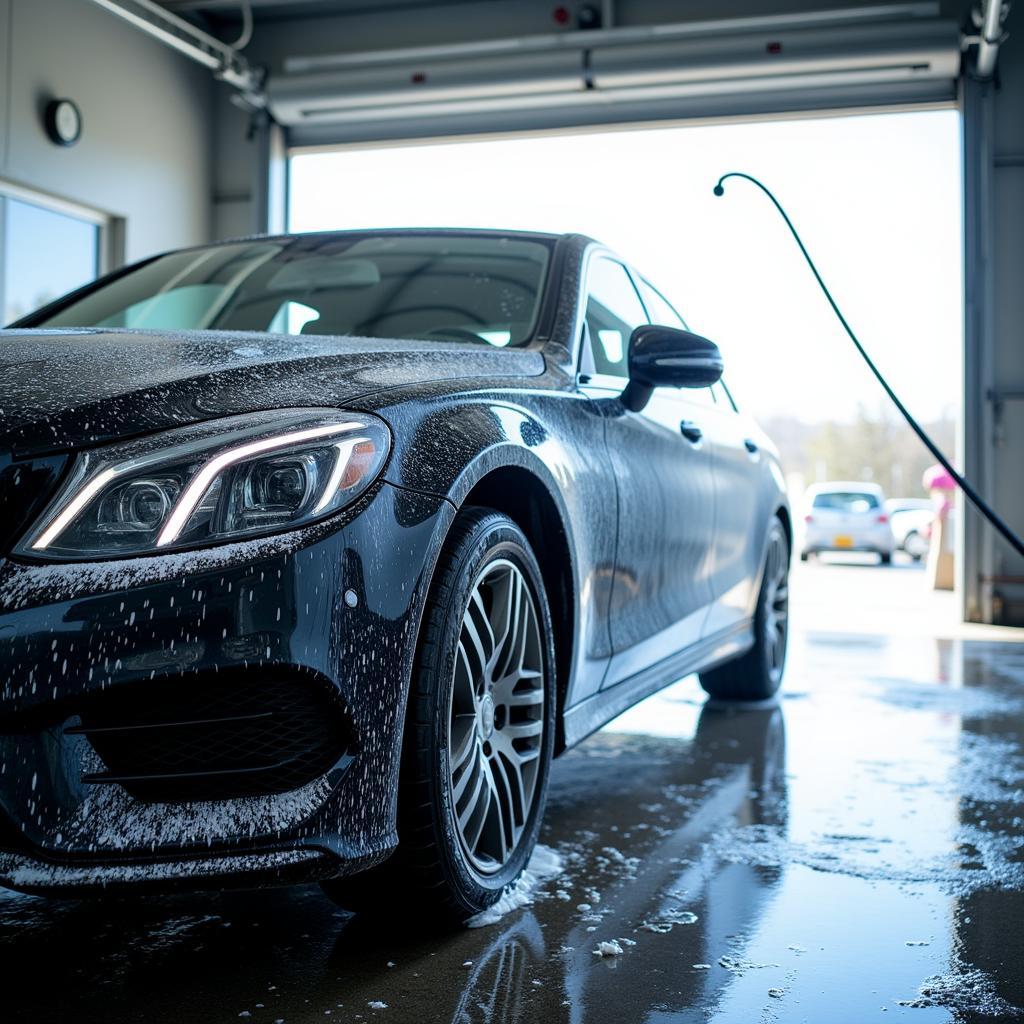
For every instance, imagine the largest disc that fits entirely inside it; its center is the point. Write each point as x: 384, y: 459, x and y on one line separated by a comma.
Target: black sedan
x: 316, y: 549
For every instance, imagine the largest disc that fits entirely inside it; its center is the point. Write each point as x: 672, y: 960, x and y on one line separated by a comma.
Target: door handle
x: 690, y: 431
x: 751, y: 446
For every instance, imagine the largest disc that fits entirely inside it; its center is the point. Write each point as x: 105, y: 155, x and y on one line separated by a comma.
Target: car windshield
x: 476, y: 289
x: 846, y: 501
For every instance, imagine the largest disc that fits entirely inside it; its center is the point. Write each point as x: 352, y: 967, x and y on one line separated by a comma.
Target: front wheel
x: 757, y: 674
x: 479, y: 731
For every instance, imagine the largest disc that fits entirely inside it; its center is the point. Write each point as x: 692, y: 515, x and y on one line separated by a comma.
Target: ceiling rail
x: 221, y: 58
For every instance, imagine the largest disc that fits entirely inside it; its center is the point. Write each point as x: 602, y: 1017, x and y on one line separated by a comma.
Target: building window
x: 44, y: 252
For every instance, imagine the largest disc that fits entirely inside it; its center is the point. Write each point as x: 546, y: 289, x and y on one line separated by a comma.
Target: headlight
x: 215, y: 481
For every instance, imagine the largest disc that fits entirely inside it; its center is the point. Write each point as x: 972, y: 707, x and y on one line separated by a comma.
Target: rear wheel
x: 885, y: 557
x: 757, y: 674
x: 915, y: 545
x: 479, y: 730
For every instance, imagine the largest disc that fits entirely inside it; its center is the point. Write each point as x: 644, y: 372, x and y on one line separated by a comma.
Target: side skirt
x: 589, y: 715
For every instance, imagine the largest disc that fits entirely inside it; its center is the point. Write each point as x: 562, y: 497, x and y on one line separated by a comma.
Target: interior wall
x: 146, y: 151
x: 236, y: 152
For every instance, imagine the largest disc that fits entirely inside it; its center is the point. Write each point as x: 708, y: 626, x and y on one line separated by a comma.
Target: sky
x: 876, y: 198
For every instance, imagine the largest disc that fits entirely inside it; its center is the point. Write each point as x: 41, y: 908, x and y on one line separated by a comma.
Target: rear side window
x: 846, y: 501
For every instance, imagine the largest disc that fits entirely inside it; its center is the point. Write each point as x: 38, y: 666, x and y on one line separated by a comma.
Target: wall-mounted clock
x: 63, y: 122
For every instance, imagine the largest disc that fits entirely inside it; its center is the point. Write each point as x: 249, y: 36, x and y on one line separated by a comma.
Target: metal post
x: 991, y: 35
x: 3, y: 258
x: 270, y: 185
x: 975, y: 554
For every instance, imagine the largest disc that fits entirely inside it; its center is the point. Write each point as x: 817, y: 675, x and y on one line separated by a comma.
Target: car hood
x: 61, y: 389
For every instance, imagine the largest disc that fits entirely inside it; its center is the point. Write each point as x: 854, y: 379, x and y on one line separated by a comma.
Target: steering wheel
x: 454, y: 334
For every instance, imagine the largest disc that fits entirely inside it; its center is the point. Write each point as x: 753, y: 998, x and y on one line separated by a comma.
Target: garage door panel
x: 661, y: 72
x: 426, y: 85
x: 921, y: 49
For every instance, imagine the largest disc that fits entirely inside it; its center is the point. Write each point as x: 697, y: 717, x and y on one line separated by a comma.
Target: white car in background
x: 911, y: 522
x: 846, y: 516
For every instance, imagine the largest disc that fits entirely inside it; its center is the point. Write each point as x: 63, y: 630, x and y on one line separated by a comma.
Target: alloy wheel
x: 496, y: 716
x: 776, y: 605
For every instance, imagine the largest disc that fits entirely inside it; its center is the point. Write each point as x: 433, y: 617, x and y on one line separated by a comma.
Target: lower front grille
x: 213, y: 739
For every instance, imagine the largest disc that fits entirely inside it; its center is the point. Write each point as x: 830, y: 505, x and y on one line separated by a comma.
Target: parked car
x: 911, y: 521
x: 846, y: 516
x: 318, y: 548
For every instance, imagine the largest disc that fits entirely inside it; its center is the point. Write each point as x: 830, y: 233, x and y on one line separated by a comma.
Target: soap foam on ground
x: 544, y: 864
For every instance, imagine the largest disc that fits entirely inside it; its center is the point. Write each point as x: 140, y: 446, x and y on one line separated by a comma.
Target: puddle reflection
x: 858, y: 846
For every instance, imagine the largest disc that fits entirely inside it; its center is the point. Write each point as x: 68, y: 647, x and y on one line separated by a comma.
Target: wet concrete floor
x: 853, y: 853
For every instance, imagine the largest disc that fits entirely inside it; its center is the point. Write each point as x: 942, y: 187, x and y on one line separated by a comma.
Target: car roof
x: 839, y: 486
x: 293, y: 236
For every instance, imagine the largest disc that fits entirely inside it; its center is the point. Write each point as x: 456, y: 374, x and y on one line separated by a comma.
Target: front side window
x: 483, y: 290
x: 614, y: 311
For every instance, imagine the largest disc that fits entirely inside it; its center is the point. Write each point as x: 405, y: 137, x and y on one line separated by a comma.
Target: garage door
x: 897, y: 54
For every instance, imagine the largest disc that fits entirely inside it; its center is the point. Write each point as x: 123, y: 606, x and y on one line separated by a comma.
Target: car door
x: 735, y: 441
x: 664, y: 489
x: 732, y: 442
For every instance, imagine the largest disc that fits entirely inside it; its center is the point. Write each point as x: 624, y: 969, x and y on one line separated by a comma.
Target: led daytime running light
x: 193, y: 494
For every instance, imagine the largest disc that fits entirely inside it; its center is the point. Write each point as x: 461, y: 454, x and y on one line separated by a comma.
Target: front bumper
x: 115, y: 771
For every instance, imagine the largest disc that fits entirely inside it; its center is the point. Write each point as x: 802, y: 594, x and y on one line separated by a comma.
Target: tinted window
x: 482, y: 290
x: 614, y: 310
x: 846, y: 501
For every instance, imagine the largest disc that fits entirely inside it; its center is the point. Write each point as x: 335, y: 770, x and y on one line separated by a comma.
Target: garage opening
x: 877, y: 198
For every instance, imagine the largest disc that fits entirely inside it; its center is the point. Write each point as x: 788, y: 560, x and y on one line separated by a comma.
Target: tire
x: 915, y: 545
x: 885, y: 557
x: 479, y: 732
x: 757, y: 674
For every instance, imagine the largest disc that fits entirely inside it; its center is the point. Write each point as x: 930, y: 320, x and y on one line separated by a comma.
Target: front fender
x: 448, y: 445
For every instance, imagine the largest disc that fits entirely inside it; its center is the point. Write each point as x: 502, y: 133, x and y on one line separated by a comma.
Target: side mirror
x: 664, y: 357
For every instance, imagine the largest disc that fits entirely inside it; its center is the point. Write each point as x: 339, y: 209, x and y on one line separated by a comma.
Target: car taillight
x: 883, y: 518
x: 808, y: 519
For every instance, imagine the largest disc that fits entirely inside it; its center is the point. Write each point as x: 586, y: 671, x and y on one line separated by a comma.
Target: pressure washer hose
x: 975, y: 498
